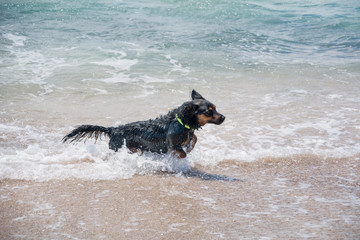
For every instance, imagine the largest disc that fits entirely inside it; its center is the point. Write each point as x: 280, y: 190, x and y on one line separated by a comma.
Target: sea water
x: 286, y: 74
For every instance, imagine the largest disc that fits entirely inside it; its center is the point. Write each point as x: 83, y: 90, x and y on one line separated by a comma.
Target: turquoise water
x: 212, y: 35
x: 285, y: 73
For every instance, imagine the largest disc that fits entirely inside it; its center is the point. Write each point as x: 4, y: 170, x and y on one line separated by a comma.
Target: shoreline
x: 281, y: 198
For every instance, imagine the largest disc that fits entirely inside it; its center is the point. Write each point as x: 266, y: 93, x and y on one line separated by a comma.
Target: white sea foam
x: 32, y: 67
x: 118, y: 63
x: 148, y: 79
x: 118, y: 67
x: 99, y: 91
x: 177, y: 67
x: 17, y: 40
x: 117, y: 78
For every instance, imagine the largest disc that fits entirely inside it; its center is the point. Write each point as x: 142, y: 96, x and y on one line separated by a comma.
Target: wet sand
x: 302, y: 197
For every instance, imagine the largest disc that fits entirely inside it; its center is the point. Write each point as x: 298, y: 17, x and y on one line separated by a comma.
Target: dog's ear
x: 192, y: 107
x: 196, y: 95
x: 195, y: 107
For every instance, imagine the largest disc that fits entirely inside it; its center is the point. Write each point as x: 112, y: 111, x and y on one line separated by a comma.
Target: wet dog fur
x: 173, y: 132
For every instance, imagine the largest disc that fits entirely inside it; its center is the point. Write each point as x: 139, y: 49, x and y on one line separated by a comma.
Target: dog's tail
x: 87, y: 131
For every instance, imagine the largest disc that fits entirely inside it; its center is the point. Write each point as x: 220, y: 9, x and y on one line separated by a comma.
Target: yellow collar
x: 179, y: 120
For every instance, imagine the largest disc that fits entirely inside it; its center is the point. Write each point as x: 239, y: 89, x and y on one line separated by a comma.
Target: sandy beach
x: 302, y: 197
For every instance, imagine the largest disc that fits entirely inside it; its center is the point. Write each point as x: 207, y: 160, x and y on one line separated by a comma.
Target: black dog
x: 168, y: 133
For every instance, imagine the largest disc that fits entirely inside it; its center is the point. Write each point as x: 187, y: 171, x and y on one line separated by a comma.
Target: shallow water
x: 285, y: 74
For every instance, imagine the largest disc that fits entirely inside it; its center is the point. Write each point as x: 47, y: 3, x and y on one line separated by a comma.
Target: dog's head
x: 204, y: 110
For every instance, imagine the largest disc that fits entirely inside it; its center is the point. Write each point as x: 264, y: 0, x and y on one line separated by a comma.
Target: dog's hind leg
x: 116, y: 142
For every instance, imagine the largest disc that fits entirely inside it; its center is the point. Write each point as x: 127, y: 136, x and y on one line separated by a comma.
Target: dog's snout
x: 222, y: 118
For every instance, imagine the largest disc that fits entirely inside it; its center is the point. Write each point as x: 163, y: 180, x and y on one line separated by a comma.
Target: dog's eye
x: 209, y: 113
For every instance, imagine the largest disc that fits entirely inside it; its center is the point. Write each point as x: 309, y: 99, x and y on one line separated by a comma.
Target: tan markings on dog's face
x: 212, y: 108
x: 203, y: 119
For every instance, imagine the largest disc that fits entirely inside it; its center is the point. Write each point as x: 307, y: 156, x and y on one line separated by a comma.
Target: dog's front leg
x: 175, y: 139
x: 178, y: 152
x: 135, y: 150
x: 191, y: 145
